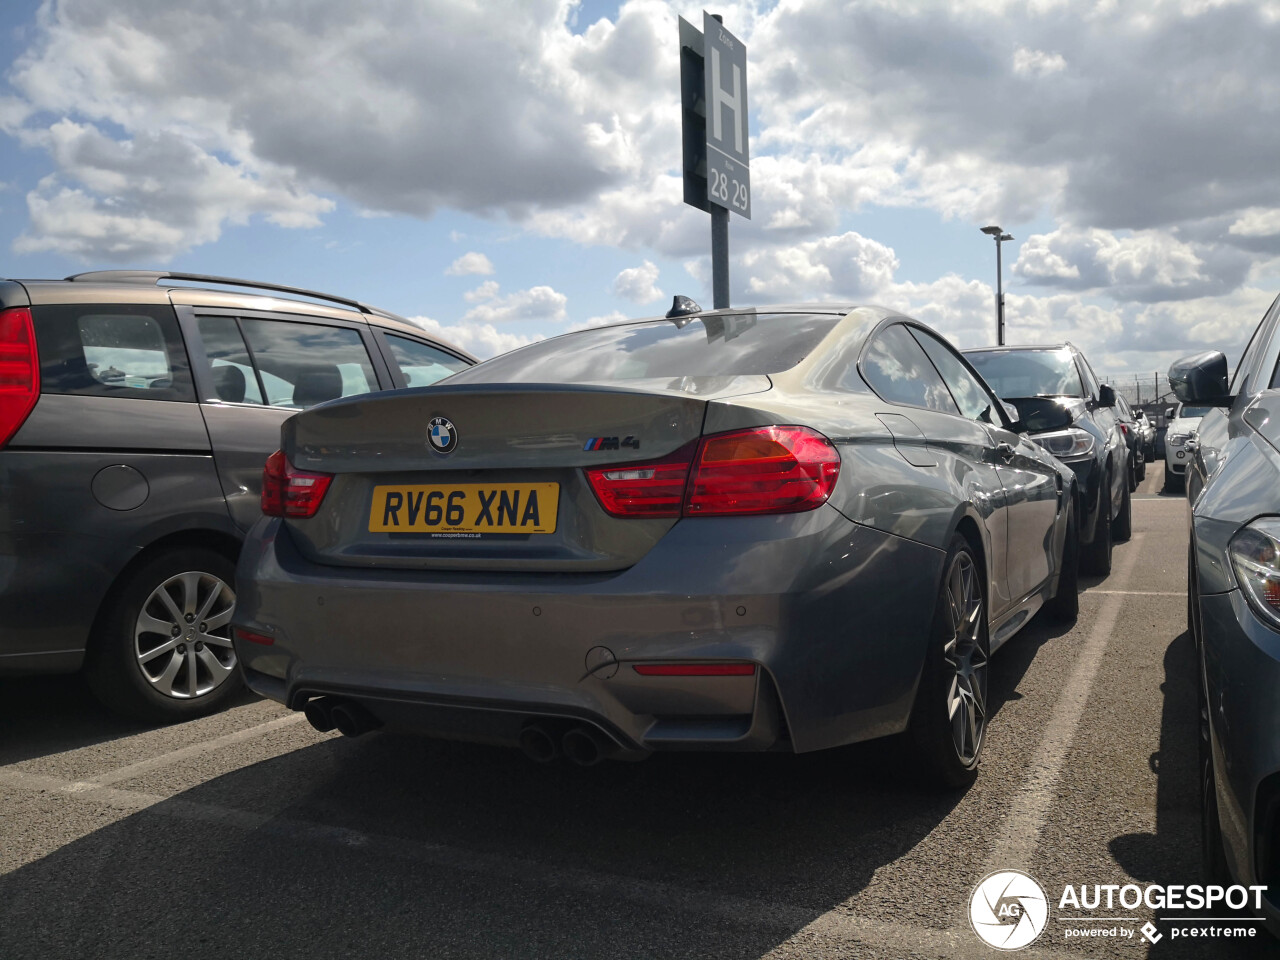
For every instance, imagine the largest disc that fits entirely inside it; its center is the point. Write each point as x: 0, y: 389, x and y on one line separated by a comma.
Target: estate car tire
x: 1065, y: 605
x: 1122, y: 526
x: 949, y: 718
x: 1095, y: 558
x: 162, y: 650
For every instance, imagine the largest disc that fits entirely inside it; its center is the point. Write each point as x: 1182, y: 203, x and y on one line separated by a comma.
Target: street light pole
x: 998, y: 234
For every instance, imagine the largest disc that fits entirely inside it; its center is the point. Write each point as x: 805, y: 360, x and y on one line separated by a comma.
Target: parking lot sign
x: 725, y: 78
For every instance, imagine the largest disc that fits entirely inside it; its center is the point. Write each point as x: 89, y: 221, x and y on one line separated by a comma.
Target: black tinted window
x: 970, y: 396
x: 114, y: 350
x: 1029, y: 373
x: 897, y: 369
x: 735, y: 345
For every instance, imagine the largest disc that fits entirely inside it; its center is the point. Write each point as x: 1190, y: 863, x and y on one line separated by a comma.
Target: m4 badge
x: 611, y: 443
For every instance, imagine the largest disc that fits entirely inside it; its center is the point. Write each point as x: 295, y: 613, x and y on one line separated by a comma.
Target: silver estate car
x: 791, y: 528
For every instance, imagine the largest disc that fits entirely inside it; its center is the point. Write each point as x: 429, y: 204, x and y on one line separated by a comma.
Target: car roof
x: 147, y: 286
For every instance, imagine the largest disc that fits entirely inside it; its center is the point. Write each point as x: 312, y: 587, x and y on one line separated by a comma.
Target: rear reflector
x: 19, y: 370
x: 289, y: 492
x: 250, y: 637
x: 695, y: 669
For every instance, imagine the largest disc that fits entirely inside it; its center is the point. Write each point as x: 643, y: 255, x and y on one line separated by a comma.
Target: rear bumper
x: 833, y: 615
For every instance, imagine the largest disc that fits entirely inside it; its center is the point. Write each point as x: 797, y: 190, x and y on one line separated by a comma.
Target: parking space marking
x: 1140, y: 593
x: 1020, y: 834
x: 833, y: 925
x: 185, y: 753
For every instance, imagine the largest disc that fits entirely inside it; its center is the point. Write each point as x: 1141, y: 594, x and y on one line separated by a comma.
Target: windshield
x: 735, y: 345
x: 1187, y: 412
x: 1029, y: 373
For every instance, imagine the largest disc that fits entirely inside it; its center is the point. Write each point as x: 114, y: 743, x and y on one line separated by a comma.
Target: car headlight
x: 1067, y: 444
x: 1176, y: 439
x: 1255, y: 557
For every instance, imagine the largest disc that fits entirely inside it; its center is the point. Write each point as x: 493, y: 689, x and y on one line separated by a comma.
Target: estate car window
x: 970, y: 396
x: 1029, y: 373
x: 234, y: 379
x: 302, y: 364
x: 897, y: 369
x: 421, y: 363
x: 116, y: 350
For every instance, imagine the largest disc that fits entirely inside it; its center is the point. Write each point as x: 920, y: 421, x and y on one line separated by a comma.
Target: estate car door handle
x: 1005, y: 450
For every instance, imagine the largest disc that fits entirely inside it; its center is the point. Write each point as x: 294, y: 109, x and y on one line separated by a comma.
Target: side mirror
x: 1106, y: 395
x: 1011, y: 413
x: 1201, y: 379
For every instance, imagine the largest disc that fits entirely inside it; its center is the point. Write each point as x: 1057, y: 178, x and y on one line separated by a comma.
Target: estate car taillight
x: 760, y: 470
x: 19, y: 370
x: 290, y: 492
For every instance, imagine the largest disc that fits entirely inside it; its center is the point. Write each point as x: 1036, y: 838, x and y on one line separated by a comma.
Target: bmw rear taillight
x: 290, y: 492
x: 19, y: 370
x: 760, y: 470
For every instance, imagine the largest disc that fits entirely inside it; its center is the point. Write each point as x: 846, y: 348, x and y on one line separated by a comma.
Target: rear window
x: 1029, y: 373
x: 115, y: 350
x: 730, y: 346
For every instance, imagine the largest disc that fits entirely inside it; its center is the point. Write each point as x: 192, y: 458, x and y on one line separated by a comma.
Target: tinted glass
x: 421, y: 363
x: 970, y: 396
x: 737, y: 345
x: 1185, y: 412
x: 113, y: 350
x: 232, y: 370
x: 1029, y: 373
x: 897, y: 369
x: 303, y: 364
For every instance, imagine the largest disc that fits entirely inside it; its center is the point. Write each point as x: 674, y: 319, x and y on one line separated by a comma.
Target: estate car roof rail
x: 155, y: 276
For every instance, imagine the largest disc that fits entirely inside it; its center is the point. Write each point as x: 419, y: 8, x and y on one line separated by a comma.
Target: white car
x: 1179, y: 440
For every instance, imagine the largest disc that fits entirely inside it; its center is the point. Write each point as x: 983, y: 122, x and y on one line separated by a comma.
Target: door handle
x: 1005, y: 450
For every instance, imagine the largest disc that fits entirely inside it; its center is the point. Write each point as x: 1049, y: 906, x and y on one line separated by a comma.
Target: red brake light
x: 653, y: 489
x: 19, y: 370
x: 762, y: 470
x: 289, y: 492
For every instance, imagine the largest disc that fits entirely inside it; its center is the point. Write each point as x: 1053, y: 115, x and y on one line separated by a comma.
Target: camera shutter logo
x: 1008, y: 910
x: 442, y: 435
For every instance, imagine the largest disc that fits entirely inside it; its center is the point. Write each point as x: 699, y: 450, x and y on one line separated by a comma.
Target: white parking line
x: 1020, y: 834
x: 185, y: 753
x: 1140, y: 593
x: 835, y: 925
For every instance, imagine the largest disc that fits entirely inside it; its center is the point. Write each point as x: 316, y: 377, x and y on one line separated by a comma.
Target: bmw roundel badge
x: 442, y: 435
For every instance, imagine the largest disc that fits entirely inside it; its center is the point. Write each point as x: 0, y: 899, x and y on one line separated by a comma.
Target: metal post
x: 999, y: 297
x: 719, y: 257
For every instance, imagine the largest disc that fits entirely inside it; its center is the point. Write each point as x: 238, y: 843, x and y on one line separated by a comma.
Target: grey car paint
x: 469, y: 642
x: 89, y: 485
x: 1232, y: 479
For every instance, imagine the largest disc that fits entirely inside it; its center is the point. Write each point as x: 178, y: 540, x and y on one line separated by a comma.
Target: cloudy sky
x: 508, y: 170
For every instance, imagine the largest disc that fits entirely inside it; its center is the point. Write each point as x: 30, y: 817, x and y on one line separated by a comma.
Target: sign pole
x: 720, y: 257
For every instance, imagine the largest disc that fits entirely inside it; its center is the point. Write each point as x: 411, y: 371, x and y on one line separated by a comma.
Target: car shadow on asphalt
x: 1165, y: 857
x: 41, y: 716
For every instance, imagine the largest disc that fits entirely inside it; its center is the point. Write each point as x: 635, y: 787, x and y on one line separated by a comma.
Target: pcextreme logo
x: 1008, y: 910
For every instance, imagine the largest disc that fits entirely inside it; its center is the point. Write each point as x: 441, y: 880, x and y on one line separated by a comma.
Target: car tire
x: 1139, y: 467
x: 1065, y: 605
x: 152, y: 657
x: 1096, y: 557
x: 949, y: 718
x: 1122, y: 526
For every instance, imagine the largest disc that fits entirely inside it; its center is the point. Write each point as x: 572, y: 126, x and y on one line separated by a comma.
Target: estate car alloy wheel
x: 162, y: 650
x: 949, y: 720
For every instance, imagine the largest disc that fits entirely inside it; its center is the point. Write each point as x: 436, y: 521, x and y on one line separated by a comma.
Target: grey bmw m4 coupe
x: 789, y: 528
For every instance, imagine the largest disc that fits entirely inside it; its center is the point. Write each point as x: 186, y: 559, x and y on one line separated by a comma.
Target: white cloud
x: 468, y: 264
x: 1037, y: 63
x: 478, y: 338
x: 537, y: 303
x: 848, y: 266
x: 617, y: 316
x: 639, y: 284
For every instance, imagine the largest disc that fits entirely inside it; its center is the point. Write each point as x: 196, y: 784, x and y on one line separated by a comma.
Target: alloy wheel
x: 182, y: 637
x: 965, y: 656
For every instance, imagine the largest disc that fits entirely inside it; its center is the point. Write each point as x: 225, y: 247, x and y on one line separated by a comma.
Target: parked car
x: 1132, y: 431
x: 1180, y: 442
x: 1072, y: 415
x: 1148, y: 430
x: 1233, y: 588
x: 135, y: 414
x: 795, y: 527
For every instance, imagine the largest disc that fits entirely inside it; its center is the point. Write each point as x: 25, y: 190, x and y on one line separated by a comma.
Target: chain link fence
x: 1141, y: 389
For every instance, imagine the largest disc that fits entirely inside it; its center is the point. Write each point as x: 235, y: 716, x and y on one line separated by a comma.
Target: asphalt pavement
x: 248, y: 834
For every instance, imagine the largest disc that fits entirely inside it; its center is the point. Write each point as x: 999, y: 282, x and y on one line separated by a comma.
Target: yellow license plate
x: 465, y: 508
